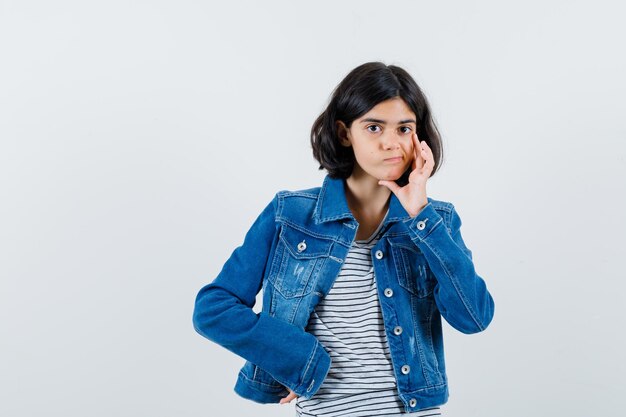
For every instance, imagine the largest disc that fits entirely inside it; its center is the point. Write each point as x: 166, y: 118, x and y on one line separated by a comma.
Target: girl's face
x: 381, y: 139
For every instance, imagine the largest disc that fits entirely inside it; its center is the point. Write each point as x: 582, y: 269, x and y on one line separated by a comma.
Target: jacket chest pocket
x: 299, y: 257
x: 412, y: 269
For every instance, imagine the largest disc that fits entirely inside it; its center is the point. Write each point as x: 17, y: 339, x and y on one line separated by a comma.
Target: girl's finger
x: 416, y: 142
x: 393, y: 187
x: 428, y: 150
x: 289, y: 397
x: 429, y: 158
x: 419, y: 160
x: 426, y: 157
x: 414, y: 161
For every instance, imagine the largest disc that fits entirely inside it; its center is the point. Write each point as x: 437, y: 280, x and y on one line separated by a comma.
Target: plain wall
x: 140, y: 139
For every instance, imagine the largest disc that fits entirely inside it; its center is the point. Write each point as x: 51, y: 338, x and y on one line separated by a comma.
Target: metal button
x: 301, y: 246
x: 421, y: 224
x: 412, y: 402
x: 388, y: 292
x: 397, y: 330
x: 379, y: 254
x: 406, y: 369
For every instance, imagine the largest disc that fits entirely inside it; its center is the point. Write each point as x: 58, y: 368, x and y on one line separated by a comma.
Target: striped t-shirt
x: 349, y: 323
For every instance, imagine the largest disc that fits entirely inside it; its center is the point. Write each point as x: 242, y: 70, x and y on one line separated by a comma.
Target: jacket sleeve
x: 461, y: 294
x: 223, y: 314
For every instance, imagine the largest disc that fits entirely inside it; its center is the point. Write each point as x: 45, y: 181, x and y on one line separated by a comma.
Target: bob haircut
x: 362, y: 89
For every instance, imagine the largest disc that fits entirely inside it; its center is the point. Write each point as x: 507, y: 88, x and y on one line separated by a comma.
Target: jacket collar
x: 332, y: 204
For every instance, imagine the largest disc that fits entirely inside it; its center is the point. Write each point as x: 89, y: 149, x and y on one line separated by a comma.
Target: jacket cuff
x: 424, y: 223
x: 315, y: 372
x: 258, y: 391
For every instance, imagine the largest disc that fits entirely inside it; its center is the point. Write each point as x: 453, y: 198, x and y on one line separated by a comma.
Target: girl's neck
x: 365, y: 197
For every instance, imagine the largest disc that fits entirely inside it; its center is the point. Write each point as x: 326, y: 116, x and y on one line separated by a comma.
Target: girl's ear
x: 343, y: 134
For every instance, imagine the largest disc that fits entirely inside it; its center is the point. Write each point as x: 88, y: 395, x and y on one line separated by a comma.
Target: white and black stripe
x: 349, y: 323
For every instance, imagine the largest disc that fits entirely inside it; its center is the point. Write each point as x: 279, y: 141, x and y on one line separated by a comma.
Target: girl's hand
x: 289, y: 397
x: 413, y: 195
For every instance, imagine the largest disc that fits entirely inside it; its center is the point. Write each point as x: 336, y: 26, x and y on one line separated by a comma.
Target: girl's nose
x: 391, y: 141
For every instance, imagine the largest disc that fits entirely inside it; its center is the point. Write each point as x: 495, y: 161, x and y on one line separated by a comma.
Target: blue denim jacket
x: 294, y: 251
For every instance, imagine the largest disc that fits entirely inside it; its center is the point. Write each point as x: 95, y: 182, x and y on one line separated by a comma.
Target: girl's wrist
x: 419, y: 209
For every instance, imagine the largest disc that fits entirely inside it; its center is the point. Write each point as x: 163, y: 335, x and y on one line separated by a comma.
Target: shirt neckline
x: 374, y: 234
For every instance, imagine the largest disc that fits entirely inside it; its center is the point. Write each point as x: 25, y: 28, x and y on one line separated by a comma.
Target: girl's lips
x: 396, y: 159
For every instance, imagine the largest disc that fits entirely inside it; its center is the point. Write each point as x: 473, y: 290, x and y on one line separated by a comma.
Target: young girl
x: 356, y: 274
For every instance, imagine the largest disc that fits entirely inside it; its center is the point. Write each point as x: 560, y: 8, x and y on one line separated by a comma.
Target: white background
x: 140, y: 139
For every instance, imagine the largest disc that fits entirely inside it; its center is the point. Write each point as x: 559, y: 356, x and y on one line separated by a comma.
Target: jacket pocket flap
x: 302, y: 245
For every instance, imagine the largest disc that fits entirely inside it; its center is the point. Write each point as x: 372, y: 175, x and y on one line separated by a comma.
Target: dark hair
x: 362, y: 89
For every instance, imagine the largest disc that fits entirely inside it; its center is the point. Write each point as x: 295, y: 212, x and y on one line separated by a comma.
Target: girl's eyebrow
x: 370, y: 119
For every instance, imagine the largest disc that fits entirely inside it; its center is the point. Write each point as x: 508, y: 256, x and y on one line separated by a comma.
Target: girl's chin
x: 392, y: 176
x: 386, y: 175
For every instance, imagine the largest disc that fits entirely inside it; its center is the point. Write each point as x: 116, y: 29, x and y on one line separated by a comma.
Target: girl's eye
x: 408, y: 129
x: 373, y: 126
